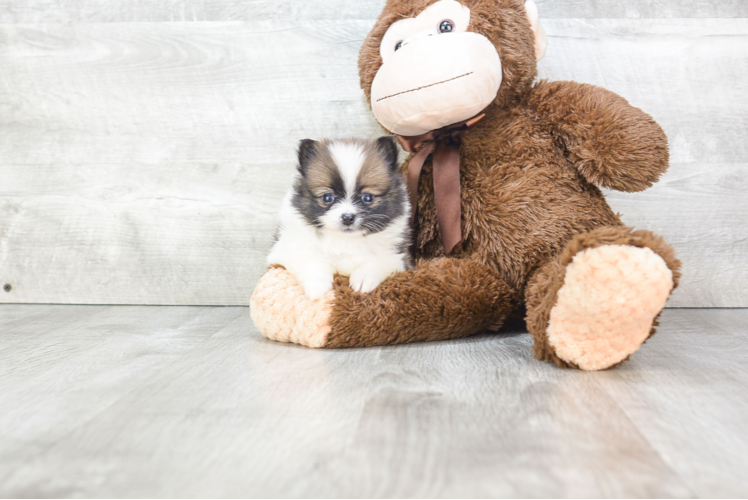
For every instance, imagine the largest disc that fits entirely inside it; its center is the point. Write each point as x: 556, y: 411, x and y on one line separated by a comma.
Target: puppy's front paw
x: 366, y: 279
x: 316, y: 288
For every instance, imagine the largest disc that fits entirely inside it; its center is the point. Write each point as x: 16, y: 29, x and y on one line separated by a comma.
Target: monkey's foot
x: 607, y: 305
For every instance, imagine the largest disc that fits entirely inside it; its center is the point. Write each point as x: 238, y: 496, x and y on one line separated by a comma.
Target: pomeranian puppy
x: 347, y: 213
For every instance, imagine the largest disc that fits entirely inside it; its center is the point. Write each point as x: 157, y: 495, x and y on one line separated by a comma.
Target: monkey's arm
x: 612, y: 143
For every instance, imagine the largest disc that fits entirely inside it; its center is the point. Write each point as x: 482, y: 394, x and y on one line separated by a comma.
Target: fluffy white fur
x: 314, y: 255
x: 349, y: 158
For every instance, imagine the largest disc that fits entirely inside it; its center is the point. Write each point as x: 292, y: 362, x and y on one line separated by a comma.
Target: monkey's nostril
x: 348, y: 219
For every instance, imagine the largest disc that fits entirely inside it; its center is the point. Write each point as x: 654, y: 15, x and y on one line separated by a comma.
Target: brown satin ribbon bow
x: 444, y: 143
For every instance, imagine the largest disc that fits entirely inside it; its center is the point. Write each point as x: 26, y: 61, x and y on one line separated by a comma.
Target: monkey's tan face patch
x: 434, y: 72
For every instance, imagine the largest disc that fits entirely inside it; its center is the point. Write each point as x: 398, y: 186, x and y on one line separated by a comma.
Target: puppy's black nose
x: 348, y: 219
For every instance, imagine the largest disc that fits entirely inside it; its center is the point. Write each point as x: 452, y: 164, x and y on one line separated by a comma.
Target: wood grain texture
x: 82, y: 11
x: 192, y: 402
x: 61, y: 376
x: 692, y: 408
x: 642, y: 8
x: 23, y: 323
x: 142, y: 163
x: 702, y: 210
x: 147, y: 162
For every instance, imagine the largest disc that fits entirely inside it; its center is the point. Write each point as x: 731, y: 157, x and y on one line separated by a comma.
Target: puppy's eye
x: 446, y: 27
x: 398, y: 46
x: 367, y: 198
x: 328, y: 198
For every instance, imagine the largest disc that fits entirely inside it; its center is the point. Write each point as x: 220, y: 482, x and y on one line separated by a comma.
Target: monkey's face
x: 436, y: 68
x: 434, y: 72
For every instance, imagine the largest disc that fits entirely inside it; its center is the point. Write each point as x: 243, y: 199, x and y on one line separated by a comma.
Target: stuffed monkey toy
x: 504, y: 177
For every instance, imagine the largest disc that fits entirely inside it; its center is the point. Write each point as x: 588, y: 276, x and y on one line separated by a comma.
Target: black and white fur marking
x: 347, y: 213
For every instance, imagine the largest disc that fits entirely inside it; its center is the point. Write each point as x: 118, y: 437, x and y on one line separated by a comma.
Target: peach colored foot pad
x: 282, y: 312
x: 607, y: 304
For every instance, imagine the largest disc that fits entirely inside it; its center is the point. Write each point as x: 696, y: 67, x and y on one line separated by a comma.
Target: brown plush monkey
x: 505, y: 174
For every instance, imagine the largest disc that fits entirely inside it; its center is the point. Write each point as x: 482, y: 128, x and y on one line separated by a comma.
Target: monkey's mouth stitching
x: 425, y: 86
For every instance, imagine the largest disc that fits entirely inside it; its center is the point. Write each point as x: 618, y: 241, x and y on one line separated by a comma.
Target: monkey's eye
x: 398, y: 46
x: 367, y: 199
x: 446, y: 27
x: 328, y: 198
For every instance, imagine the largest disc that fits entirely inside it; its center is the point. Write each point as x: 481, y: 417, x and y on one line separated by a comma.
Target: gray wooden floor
x: 99, y: 401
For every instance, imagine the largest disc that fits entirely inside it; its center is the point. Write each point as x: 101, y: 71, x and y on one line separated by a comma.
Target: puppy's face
x: 349, y: 186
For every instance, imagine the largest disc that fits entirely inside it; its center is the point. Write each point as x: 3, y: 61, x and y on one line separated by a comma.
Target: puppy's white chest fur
x: 349, y: 252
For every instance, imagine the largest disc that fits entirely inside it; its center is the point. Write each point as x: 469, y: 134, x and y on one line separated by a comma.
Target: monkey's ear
x: 541, y: 39
x: 308, y: 149
x: 388, y: 149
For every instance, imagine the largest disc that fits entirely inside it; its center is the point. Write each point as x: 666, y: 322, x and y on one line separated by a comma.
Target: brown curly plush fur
x: 447, y: 299
x: 530, y: 172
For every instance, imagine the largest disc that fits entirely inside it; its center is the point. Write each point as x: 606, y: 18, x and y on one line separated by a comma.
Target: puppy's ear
x: 308, y: 150
x: 387, y: 147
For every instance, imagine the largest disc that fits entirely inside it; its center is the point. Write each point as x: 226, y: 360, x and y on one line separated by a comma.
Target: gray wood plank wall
x: 145, y: 146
